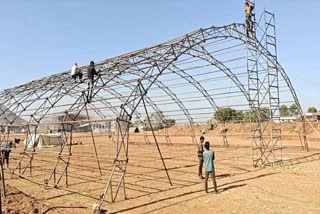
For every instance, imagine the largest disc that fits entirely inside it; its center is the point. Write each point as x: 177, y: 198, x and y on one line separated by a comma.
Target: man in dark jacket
x: 6, y: 152
x: 91, y: 73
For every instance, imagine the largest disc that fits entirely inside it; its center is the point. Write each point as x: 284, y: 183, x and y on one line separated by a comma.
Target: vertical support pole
x: 30, y: 168
x: 121, y: 157
x: 254, y: 94
x: 3, y: 184
x: 93, y: 141
x: 54, y: 175
x: 273, y: 90
x: 154, y: 136
x: 305, y: 142
x: 67, y: 176
x: 146, y: 139
x: 167, y: 134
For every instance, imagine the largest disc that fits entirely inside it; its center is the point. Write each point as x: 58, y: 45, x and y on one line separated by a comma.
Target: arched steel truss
x: 138, y: 72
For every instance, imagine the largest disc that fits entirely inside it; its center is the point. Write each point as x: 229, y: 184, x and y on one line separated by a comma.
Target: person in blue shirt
x: 208, y: 158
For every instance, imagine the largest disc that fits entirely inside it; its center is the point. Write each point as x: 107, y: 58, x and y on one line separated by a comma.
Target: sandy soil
x: 291, y: 188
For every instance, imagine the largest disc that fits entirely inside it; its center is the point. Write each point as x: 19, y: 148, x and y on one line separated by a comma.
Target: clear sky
x: 42, y: 37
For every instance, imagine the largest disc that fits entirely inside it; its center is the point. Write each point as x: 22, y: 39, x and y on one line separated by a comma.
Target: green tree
x: 157, y: 120
x: 312, y: 109
x: 239, y: 116
x: 293, y: 109
x: 284, y: 111
x: 170, y: 122
x: 264, y: 113
x: 251, y: 115
x: 138, y: 122
x: 225, y: 114
x: 247, y: 115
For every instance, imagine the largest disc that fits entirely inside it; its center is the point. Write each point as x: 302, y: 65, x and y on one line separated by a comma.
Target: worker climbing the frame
x: 91, y: 73
x: 249, y: 11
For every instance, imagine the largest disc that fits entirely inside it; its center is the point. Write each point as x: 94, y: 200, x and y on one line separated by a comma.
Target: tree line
x: 293, y: 110
x: 232, y: 115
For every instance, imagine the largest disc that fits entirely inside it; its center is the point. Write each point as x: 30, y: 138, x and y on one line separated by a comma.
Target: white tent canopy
x: 43, y: 140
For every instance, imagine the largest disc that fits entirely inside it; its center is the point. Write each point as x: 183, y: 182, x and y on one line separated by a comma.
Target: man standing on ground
x: 91, y: 73
x: 208, y: 158
x: 6, y: 152
x: 200, y: 157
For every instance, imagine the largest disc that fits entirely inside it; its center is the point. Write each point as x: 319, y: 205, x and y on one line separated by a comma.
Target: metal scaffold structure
x: 187, y: 79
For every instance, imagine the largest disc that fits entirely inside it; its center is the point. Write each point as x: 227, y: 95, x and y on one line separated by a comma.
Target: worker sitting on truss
x: 76, y: 72
x: 249, y: 10
x: 91, y: 73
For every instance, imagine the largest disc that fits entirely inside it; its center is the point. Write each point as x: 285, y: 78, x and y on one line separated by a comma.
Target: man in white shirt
x: 75, y: 72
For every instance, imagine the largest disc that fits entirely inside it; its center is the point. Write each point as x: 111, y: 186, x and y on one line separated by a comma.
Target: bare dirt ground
x: 291, y: 188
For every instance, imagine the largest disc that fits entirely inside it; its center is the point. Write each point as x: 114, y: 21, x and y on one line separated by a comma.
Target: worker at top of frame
x: 91, y: 73
x: 76, y: 72
x: 249, y: 11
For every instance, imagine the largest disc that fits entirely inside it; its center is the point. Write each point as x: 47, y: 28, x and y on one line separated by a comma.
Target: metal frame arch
x: 67, y: 90
x: 232, y: 31
x: 199, y: 87
x: 175, y: 98
x: 156, y: 109
x: 121, y: 158
x: 116, y: 94
x: 222, y: 67
x: 156, y: 55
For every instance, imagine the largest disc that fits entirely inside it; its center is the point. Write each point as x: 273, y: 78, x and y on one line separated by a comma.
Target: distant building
x: 313, y: 117
x: 285, y: 119
x: 95, y: 126
x: 57, y: 123
x: 8, y: 117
